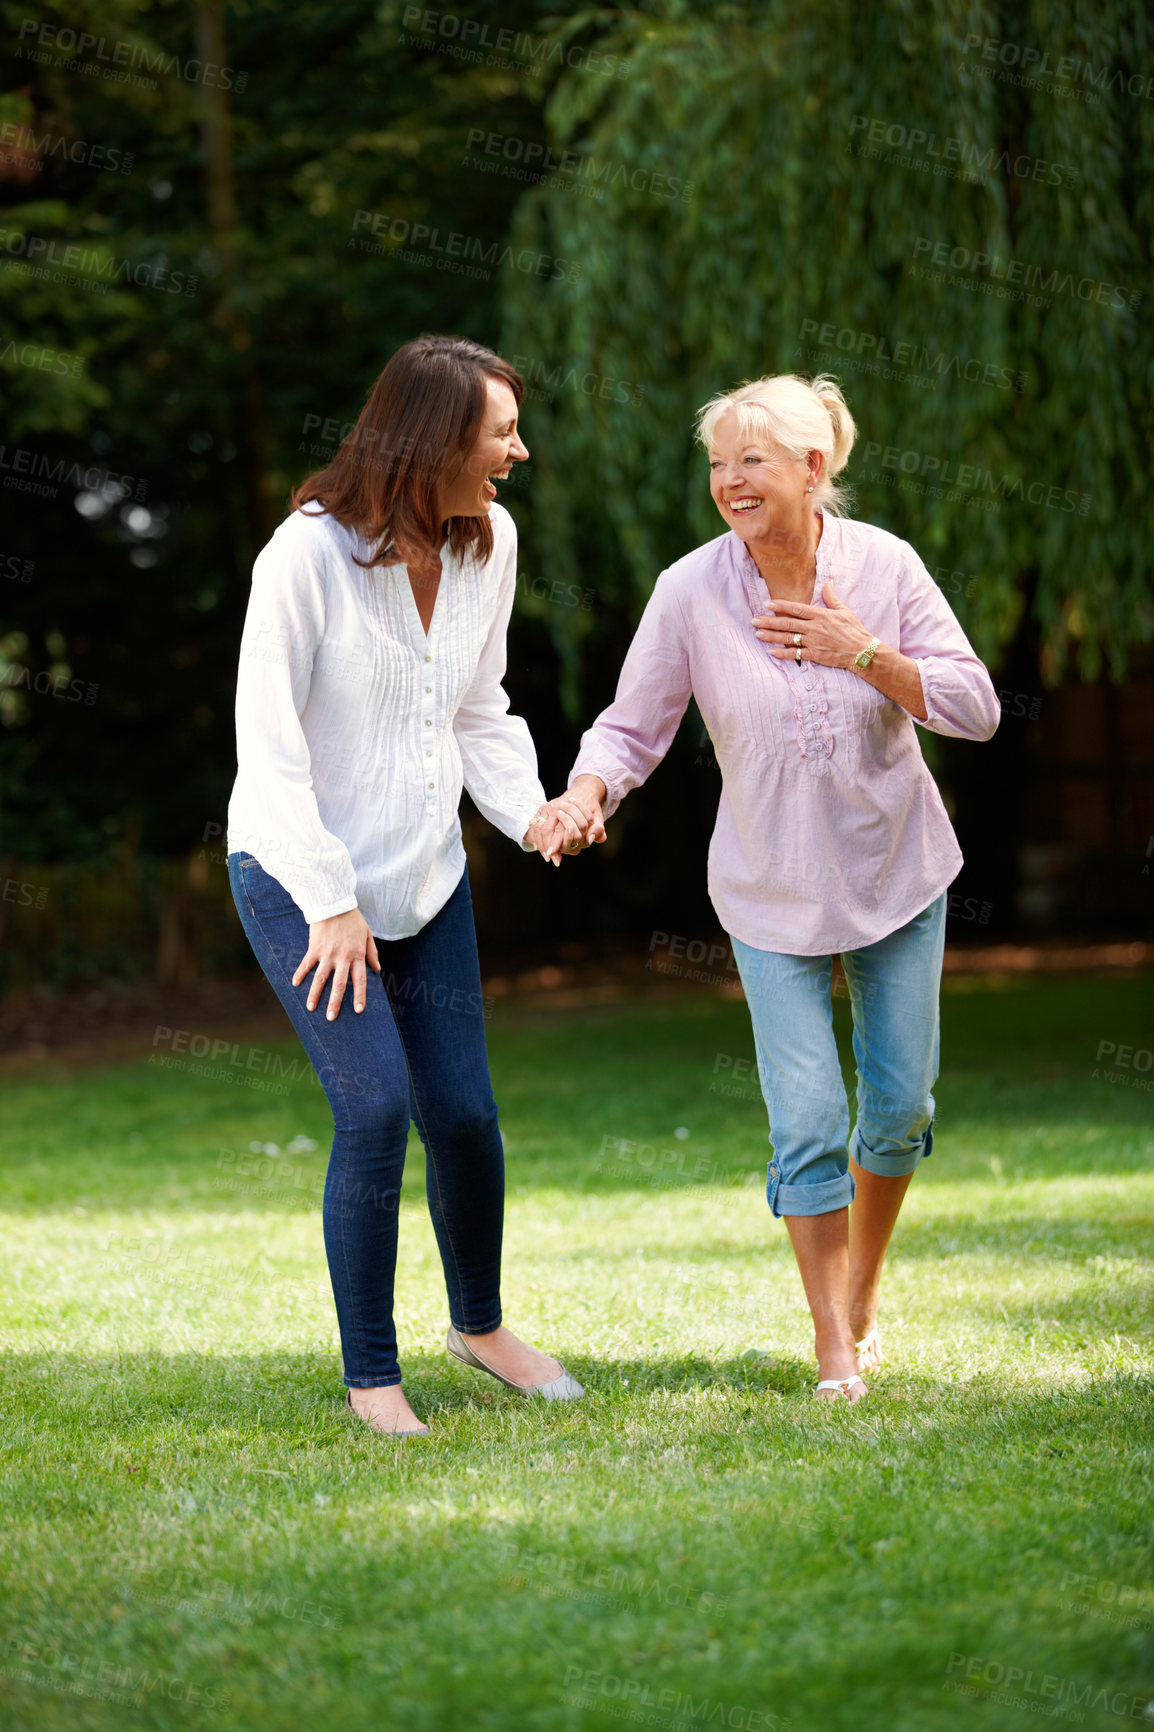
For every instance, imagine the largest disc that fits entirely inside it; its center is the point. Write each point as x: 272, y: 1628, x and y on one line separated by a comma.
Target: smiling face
x: 470, y: 493
x: 757, y: 485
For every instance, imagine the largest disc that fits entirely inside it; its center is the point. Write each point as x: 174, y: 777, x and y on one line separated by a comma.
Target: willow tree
x: 946, y: 206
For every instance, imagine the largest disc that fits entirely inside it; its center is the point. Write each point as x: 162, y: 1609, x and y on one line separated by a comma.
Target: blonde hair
x: 803, y: 415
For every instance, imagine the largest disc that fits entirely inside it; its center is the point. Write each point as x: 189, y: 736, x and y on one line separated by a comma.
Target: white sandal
x: 841, y: 1384
x: 869, y: 1339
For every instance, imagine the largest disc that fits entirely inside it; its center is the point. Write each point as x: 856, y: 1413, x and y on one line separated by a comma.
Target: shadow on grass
x: 160, y: 1384
x: 300, y: 1395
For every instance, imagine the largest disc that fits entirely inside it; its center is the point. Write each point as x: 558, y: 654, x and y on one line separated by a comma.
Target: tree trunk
x: 258, y: 511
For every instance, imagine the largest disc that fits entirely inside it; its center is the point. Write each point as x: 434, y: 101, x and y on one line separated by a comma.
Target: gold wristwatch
x: 867, y: 655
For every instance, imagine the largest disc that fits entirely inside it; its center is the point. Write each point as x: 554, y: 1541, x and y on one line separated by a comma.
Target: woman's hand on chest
x: 832, y: 636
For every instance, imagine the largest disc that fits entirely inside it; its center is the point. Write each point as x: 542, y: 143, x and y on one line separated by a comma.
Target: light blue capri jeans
x: 893, y: 988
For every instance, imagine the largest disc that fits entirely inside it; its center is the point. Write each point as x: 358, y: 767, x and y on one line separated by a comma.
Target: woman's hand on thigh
x: 339, y: 946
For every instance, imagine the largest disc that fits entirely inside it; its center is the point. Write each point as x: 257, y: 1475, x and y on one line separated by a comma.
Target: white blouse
x: 355, y: 733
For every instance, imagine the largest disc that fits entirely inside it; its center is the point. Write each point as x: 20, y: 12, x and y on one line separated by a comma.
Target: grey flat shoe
x: 563, y: 1388
x: 351, y: 1413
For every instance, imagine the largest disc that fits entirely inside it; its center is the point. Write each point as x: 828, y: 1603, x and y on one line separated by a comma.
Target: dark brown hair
x: 419, y: 425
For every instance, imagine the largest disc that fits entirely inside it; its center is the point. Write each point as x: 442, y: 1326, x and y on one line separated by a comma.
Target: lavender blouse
x: 830, y: 832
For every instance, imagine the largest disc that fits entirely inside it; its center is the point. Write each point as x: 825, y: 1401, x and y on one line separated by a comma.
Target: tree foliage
x: 249, y: 256
x: 169, y: 443
x: 978, y: 279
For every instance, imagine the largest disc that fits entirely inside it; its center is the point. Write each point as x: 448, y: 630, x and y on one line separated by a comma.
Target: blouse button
x: 428, y: 724
x: 432, y: 784
x: 428, y: 658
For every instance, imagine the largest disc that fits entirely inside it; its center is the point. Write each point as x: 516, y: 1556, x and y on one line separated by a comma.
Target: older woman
x: 369, y: 690
x: 812, y: 644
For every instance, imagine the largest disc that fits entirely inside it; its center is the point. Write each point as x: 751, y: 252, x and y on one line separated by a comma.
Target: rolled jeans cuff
x: 820, y: 1199
x: 474, y: 1328
x: 891, y: 1166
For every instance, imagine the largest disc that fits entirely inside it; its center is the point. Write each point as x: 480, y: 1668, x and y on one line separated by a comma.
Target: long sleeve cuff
x: 616, y: 787
x: 960, y: 701
x: 314, y: 911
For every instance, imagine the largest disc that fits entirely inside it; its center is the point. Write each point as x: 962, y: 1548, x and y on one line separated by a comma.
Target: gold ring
x: 796, y: 639
x: 797, y: 654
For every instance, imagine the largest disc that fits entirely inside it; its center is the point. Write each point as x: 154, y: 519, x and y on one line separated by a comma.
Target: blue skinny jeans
x: 416, y: 1052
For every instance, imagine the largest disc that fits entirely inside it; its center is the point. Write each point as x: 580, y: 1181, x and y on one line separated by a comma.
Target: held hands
x: 571, y: 822
x: 339, y: 946
x: 832, y: 636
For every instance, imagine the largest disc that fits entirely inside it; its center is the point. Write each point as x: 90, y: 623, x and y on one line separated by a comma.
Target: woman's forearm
x: 589, y: 784
x: 897, y: 677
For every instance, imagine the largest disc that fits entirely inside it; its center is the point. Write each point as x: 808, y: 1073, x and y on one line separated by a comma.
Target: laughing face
x: 757, y: 485
x: 471, y: 492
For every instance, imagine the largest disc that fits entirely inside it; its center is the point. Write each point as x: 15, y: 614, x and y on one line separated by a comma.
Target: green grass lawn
x: 194, y: 1535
